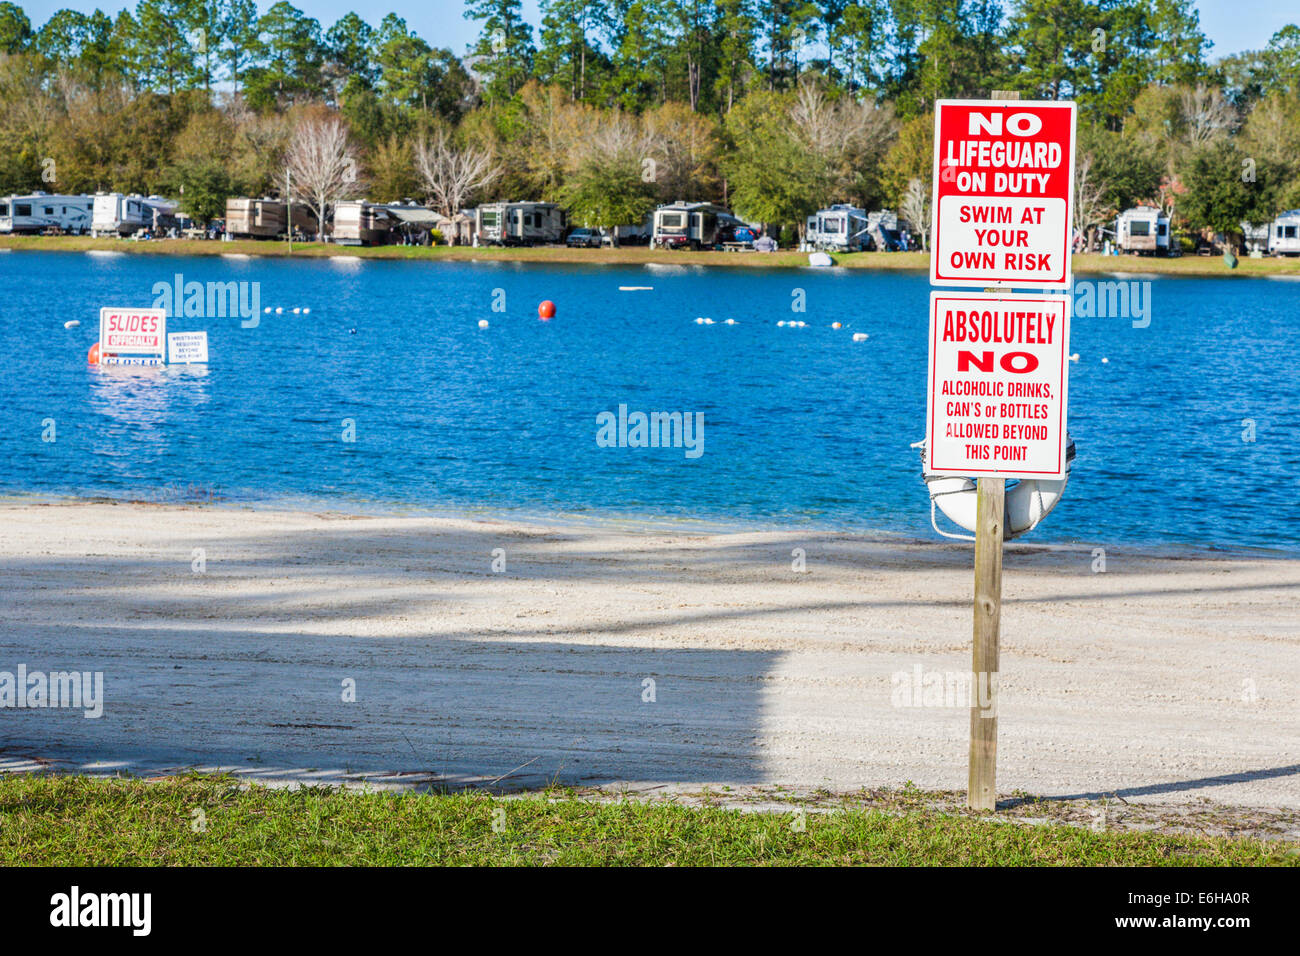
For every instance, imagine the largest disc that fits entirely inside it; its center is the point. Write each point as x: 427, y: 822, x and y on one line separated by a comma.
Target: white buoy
x: 837, y: 325
x: 306, y: 311
x: 482, y: 323
x: 72, y: 324
x: 1074, y: 357
x: 1105, y: 361
x: 279, y: 310
x: 699, y: 321
x: 780, y: 324
x: 859, y: 336
x: 708, y: 321
x: 267, y: 310
x: 730, y: 322
x: 297, y: 310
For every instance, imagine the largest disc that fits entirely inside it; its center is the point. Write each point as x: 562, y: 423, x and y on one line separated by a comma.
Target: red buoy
x: 92, y: 357
x: 546, y: 310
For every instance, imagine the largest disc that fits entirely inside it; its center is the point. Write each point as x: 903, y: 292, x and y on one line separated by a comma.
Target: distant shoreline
x: 1088, y: 264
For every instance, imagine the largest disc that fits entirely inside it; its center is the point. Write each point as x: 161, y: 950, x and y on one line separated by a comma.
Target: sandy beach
x: 228, y: 637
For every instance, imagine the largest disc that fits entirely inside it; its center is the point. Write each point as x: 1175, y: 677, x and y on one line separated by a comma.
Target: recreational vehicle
x: 117, y: 215
x: 265, y: 218
x: 38, y: 212
x: 1142, y: 229
x: 358, y: 222
x: 518, y: 223
x: 1284, y: 234
x: 698, y: 225
x: 840, y: 228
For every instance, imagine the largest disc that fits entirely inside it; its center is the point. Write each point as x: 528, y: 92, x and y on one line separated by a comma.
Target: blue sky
x: 1233, y: 25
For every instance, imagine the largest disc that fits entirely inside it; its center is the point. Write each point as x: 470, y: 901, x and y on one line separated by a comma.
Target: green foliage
x: 608, y: 191
x: 774, y: 177
x: 1217, y: 197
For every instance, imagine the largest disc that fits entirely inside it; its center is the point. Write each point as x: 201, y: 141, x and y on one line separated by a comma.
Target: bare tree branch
x: 452, y: 175
x: 321, y: 164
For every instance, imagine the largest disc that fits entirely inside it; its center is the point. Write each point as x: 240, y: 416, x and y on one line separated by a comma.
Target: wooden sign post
x: 981, y: 785
x: 1002, y: 213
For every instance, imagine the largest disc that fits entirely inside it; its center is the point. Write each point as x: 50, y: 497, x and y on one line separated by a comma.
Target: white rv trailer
x: 358, y: 222
x: 38, y: 211
x: 1284, y: 234
x: 1142, y: 229
x: 115, y: 214
x: 265, y: 218
x: 838, y: 228
x: 698, y: 225
x: 518, y: 223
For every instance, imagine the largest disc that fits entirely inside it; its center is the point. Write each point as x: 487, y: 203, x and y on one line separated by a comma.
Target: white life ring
x: 1027, y: 503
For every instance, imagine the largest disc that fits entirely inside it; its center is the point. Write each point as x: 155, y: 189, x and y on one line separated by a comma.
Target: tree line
x: 774, y: 108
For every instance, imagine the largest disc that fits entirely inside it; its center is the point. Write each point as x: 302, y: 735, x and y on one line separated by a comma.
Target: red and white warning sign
x: 998, y: 384
x: 133, y: 336
x: 1003, y: 193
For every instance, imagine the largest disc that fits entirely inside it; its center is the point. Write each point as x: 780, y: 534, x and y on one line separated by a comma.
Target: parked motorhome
x: 697, y: 225
x: 358, y: 222
x: 115, y: 214
x: 1142, y: 229
x: 38, y: 212
x: 518, y: 223
x: 838, y: 228
x: 1284, y: 234
x: 265, y: 218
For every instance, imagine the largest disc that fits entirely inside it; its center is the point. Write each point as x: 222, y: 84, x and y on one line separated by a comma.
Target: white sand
x: 1161, y: 679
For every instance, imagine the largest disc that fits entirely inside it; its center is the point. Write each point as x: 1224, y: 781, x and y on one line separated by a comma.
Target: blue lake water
x: 802, y: 426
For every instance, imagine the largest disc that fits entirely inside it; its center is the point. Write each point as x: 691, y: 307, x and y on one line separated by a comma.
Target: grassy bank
x: 60, y: 820
x: 631, y: 255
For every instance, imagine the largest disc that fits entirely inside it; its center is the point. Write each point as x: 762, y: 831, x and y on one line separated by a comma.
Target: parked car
x: 584, y: 238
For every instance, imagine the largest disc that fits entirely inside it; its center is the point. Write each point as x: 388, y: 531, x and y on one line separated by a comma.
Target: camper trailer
x: 115, y: 214
x: 839, y: 228
x: 1284, y: 234
x: 697, y: 225
x: 38, y: 212
x: 1142, y: 229
x: 518, y: 223
x: 358, y: 222
x: 264, y: 219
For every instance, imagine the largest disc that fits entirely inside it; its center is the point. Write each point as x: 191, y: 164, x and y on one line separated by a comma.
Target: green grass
x: 53, y: 820
x: 633, y: 255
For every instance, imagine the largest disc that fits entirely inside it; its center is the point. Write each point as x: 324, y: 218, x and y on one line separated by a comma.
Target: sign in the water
x: 998, y: 384
x: 132, y: 336
x: 187, y: 348
x: 1003, y: 193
